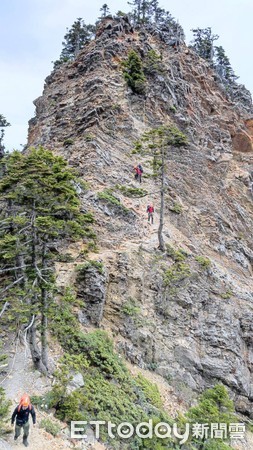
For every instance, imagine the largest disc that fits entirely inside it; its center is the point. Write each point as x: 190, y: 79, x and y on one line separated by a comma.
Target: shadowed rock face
x: 196, y: 331
x: 92, y: 289
x: 242, y: 142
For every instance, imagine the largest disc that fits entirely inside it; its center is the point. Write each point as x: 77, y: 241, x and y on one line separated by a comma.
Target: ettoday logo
x: 161, y: 430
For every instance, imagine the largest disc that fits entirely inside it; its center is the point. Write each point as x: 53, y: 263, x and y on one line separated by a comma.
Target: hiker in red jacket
x: 138, y: 172
x: 21, y: 414
x: 150, y: 211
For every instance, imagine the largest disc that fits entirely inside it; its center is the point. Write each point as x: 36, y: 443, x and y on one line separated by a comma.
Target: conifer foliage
x: 133, y: 72
x: 203, y: 42
x: 3, y: 124
x: 39, y: 208
x: 74, y: 40
x: 149, y: 12
x: 105, y: 10
x: 223, y: 67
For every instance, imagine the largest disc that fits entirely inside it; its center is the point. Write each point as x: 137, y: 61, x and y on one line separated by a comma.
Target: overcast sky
x: 32, y: 31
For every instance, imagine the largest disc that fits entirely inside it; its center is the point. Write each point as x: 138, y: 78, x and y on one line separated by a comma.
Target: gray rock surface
x: 199, y: 331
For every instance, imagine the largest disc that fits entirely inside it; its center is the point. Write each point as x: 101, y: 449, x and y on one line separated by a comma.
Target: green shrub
x: 131, y: 191
x: 110, y: 392
x: 99, y: 351
x: 50, y: 427
x: 203, y: 261
x: 68, y: 142
x: 153, y: 63
x: 173, y: 108
x: 152, y: 366
x: 216, y: 444
x: 131, y: 308
x: 214, y: 406
x: 107, y: 195
x: 89, y: 137
x: 138, y: 147
x: 110, y: 198
x: 227, y: 294
x: 4, y: 410
x: 176, y: 208
x: 3, y: 358
x: 150, y: 390
x: 82, y: 268
x: 176, y: 273
x: 96, y: 346
x: 64, y: 258
x: 130, y: 400
x: 176, y: 255
x: 133, y: 73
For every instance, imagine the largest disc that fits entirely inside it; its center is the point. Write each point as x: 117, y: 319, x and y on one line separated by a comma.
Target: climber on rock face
x: 138, y: 172
x: 21, y: 414
x: 150, y: 211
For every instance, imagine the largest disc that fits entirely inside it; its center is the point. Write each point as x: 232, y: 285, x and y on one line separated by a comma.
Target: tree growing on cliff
x: 75, y: 40
x: 223, y: 67
x: 140, y: 11
x: 148, y: 12
x: 105, y: 10
x: 133, y: 72
x: 203, y: 42
x: 3, y: 125
x: 39, y: 208
x: 157, y: 143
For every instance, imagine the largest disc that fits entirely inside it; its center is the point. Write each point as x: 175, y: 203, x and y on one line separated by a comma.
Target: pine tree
x: 133, y: 72
x: 203, y: 42
x: 75, y: 40
x: 3, y: 124
x: 141, y: 11
x: 39, y: 208
x: 105, y: 10
x: 223, y: 67
x: 157, y: 143
x: 154, y: 7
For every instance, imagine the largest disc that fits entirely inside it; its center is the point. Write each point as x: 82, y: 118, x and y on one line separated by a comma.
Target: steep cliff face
x: 195, y: 330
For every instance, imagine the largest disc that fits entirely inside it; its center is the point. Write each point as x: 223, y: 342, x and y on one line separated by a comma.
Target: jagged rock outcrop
x: 200, y: 331
x: 91, y: 287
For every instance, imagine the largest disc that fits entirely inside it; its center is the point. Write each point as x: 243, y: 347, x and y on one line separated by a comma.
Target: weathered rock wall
x: 199, y: 332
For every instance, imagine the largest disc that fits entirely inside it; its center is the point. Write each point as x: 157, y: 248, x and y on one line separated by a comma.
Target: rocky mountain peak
x: 196, y: 330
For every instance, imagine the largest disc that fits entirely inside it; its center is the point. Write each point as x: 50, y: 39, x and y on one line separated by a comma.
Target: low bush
x: 50, y: 427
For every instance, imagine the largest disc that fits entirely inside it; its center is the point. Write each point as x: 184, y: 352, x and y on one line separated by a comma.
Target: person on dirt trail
x: 138, y: 172
x: 21, y: 414
x: 150, y: 211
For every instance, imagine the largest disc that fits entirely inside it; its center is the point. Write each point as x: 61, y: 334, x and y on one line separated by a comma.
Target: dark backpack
x: 140, y: 167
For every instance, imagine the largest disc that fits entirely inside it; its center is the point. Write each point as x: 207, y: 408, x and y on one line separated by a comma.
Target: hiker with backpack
x: 150, y: 211
x: 21, y: 415
x: 138, y: 172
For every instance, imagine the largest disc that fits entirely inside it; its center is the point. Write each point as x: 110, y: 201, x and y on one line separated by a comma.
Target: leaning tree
x: 157, y: 143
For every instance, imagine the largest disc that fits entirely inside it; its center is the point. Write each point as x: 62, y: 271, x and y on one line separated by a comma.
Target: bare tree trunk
x: 35, y: 351
x: 161, y: 223
x: 44, y: 312
x: 44, y: 346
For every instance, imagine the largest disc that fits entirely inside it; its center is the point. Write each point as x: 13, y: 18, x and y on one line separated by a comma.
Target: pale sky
x: 32, y: 31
